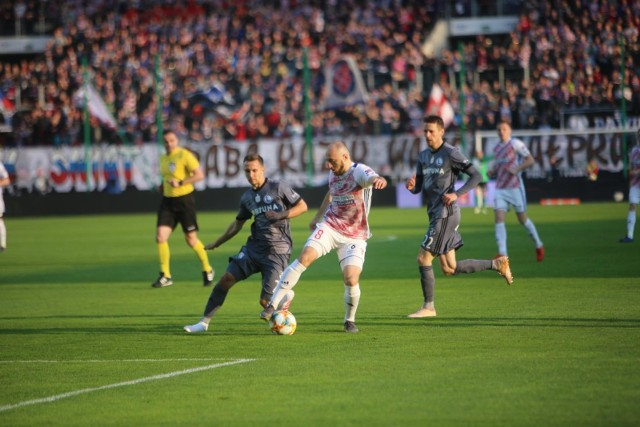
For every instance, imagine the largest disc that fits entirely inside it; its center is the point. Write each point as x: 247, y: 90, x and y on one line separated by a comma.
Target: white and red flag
x: 439, y: 105
x: 344, y: 84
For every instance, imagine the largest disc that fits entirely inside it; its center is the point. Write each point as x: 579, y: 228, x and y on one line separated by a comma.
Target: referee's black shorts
x: 178, y: 210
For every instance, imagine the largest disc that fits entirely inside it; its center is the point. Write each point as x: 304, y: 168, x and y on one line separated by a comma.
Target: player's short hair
x: 168, y: 131
x: 434, y: 119
x: 253, y: 157
x: 504, y: 122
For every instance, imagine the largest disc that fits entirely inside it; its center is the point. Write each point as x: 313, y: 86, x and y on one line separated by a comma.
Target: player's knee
x: 422, y: 259
x: 191, y: 239
x: 161, y: 237
x: 308, y: 256
x: 351, y: 280
x: 227, y: 281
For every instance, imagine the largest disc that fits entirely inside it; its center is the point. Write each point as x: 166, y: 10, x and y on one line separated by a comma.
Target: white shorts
x: 350, y: 251
x: 503, y: 199
x: 1, y: 205
x: 634, y: 196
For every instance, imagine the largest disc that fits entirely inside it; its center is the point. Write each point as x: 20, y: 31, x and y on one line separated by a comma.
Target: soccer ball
x: 283, y: 323
x: 618, y: 196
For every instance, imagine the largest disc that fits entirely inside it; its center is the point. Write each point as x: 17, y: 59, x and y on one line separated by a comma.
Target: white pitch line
x: 111, y: 360
x: 122, y: 384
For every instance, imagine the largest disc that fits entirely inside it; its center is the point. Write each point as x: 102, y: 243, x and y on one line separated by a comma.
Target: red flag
x: 6, y: 106
x: 439, y: 105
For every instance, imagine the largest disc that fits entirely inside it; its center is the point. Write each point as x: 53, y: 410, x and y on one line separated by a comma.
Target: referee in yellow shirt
x: 180, y: 170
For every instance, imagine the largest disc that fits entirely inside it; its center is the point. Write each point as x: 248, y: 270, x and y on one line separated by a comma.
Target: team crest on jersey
x: 268, y: 199
x: 257, y: 199
x: 172, y: 167
x: 339, y: 184
x: 439, y: 162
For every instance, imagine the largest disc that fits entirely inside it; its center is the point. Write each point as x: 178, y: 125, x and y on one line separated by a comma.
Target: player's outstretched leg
x: 289, y: 279
x: 501, y: 265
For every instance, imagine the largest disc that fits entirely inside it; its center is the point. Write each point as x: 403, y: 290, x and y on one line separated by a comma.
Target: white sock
x: 289, y: 278
x: 501, y: 238
x: 631, y: 223
x: 3, y: 234
x: 531, y: 228
x: 351, y: 301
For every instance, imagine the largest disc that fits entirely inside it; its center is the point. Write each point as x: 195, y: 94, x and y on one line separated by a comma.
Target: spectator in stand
x: 236, y: 55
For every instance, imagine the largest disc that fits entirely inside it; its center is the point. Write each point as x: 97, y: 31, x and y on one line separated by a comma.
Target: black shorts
x: 248, y: 262
x: 443, y: 235
x: 178, y: 210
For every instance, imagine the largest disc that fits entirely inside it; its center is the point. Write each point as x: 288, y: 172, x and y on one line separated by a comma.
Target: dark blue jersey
x: 436, y: 175
x: 268, y: 237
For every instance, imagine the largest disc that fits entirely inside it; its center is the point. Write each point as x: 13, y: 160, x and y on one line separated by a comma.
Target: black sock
x: 473, y: 265
x: 428, y: 282
x: 216, y: 299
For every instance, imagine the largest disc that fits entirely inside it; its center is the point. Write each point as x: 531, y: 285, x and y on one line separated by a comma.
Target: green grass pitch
x: 85, y: 340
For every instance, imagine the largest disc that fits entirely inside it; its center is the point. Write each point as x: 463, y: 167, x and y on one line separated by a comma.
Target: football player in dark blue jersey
x: 437, y: 171
x: 268, y: 248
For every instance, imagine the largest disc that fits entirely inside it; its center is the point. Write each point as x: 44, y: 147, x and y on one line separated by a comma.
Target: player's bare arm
x: 323, y: 208
x: 231, y: 231
x: 378, y: 182
x: 527, y: 163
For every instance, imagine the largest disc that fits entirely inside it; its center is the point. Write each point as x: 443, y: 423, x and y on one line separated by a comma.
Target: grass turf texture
x: 560, y: 347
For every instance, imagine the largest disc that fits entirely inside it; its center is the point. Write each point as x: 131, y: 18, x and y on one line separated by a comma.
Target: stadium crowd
x: 234, y: 70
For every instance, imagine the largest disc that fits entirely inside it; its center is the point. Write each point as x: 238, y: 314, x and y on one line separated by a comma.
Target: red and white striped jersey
x: 508, y: 155
x: 350, y: 192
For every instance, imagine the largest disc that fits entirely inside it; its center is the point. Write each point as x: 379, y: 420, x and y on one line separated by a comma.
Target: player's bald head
x: 338, y: 148
x: 337, y: 158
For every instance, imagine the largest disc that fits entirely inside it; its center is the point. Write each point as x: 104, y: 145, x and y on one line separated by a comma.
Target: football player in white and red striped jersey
x: 511, y: 157
x: 634, y: 190
x: 341, y: 224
